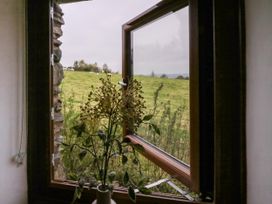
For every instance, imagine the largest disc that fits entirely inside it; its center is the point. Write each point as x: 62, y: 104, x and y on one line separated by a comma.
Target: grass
x: 174, y: 90
x: 170, y: 110
x: 177, y: 91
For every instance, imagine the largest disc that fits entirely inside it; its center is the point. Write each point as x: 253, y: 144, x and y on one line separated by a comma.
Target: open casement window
x: 217, y: 137
x: 153, y: 45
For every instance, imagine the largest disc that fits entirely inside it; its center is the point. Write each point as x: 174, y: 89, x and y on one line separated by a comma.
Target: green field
x: 177, y: 91
x: 170, y: 110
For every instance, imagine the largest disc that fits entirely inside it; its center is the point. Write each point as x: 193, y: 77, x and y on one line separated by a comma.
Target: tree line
x: 81, y: 65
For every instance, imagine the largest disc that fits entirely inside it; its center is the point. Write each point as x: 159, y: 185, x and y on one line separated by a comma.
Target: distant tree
x: 163, y: 76
x: 96, y: 69
x: 106, y: 69
x: 76, y: 65
x: 183, y: 77
x: 152, y: 74
x: 180, y: 77
x: 81, y: 63
x: 81, y: 66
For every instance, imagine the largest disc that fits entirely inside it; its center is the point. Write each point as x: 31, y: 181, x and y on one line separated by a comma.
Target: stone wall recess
x: 58, y: 76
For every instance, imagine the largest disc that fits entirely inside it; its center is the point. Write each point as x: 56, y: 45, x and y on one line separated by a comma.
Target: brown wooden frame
x: 188, y: 175
x: 169, y: 164
x: 219, y: 38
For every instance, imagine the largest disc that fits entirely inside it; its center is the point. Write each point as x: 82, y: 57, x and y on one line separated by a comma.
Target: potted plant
x: 99, y: 132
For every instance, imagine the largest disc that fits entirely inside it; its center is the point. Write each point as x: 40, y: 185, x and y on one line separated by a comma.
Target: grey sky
x: 163, y: 46
x: 92, y: 32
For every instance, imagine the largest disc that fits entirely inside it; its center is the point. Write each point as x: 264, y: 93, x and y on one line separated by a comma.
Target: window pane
x: 161, y: 63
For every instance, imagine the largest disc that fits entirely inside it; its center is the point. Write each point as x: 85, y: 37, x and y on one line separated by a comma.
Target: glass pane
x: 161, y: 63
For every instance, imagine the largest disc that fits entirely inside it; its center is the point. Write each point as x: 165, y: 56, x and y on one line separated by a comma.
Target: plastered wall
x: 259, y: 100
x: 13, y: 179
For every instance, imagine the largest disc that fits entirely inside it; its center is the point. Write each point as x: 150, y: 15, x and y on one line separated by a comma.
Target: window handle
x: 52, y: 113
x: 122, y: 83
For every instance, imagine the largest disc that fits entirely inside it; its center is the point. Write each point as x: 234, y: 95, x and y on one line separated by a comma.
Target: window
x: 149, y: 41
x: 226, y: 89
x: 199, y: 87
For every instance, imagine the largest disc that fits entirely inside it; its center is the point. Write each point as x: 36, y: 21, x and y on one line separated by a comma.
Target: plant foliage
x: 98, y: 133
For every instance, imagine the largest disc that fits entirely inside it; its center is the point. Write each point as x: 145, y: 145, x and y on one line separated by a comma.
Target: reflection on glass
x: 161, y: 63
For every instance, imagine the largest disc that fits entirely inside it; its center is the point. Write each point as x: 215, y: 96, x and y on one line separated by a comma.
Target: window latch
x: 52, y: 13
x: 53, y: 159
x: 52, y: 59
x: 52, y: 113
x: 122, y: 83
x: 170, y: 183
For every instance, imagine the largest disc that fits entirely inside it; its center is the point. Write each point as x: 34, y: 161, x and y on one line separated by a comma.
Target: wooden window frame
x: 188, y: 175
x: 222, y: 165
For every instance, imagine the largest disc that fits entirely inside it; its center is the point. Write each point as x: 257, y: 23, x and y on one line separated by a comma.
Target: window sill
x: 121, y: 197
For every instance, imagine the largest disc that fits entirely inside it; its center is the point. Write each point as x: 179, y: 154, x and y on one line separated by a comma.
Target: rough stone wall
x: 57, y: 79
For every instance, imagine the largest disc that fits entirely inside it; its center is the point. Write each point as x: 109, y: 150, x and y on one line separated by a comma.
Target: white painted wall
x: 13, y: 179
x: 259, y: 100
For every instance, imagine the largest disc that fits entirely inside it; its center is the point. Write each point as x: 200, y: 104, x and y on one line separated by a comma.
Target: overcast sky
x: 92, y: 32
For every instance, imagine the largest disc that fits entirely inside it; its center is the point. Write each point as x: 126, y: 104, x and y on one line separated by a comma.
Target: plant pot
x: 103, y: 196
